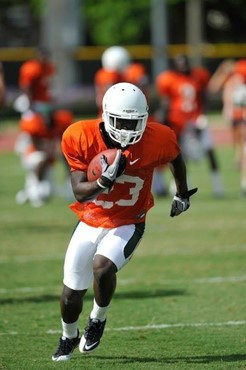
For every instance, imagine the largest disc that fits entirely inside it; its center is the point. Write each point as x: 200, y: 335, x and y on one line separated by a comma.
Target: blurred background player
x: 35, y: 104
x: 182, y: 97
x: 135, y: 73
x: 35, y: 78
x: 230, y: 78
x: 114, y: 61
x: 117, y: 66
x: 39, y: 149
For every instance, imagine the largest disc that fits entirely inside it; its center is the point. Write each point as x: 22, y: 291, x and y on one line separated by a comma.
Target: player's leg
x: 78, y: 273
x: 207, y: 145
x: 37, y: 188
x: 113, y: 252
x: 237, y: 127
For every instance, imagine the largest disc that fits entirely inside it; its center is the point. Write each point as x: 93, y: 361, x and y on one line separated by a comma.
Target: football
x: 94, y: 170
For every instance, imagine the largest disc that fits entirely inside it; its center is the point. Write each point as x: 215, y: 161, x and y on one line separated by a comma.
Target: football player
x: 230, y: 78
x: 34, y: 81
x: 112, y: 209
x: 181, y: 91
x: 38, y: 146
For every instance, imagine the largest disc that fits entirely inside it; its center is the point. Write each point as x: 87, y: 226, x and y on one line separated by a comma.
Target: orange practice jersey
x: 103, y: 80
x: 184, y: 94
x: 135, y: 73
x: 34, y: 125
x: 36, y: 76
x: 130, y: 197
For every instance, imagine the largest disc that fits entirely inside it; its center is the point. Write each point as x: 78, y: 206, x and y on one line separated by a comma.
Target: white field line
x: 131, y: 281
x: 179, y: 325
x: 154, y: 327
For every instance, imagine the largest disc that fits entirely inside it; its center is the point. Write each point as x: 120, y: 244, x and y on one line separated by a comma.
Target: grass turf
x: 188, y: 274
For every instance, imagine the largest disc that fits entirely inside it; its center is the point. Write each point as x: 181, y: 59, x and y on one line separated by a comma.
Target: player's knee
x: 71, y: 297
x: 103, y: 268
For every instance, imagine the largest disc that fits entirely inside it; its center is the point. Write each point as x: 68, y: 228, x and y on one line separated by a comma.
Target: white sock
x: 98, y: 312
x: 69, y: 330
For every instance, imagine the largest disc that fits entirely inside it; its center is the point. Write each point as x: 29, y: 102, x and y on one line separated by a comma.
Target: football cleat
x: 92, y: 335
x: 65, y: 348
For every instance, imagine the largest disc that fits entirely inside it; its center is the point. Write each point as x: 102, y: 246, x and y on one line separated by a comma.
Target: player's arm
x: 82, y: 189
x: 178, y: 169
x: 219, y: 77
x: 181, y: 200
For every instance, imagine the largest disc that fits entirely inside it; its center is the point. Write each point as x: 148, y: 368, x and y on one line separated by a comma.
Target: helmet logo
x: 129, y: 110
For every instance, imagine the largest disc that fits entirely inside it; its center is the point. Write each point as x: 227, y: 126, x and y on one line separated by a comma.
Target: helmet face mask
x: 125, y: 113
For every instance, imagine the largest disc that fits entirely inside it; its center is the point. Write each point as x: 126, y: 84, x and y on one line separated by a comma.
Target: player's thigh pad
x: 78, y: 270
x: 119, y: 243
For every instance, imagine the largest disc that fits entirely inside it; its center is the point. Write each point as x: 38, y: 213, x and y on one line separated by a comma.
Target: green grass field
x: 180, y: 302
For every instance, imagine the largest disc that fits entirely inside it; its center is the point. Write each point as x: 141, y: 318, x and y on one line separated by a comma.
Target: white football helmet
x: 125, y: 101
x: 115, y: 58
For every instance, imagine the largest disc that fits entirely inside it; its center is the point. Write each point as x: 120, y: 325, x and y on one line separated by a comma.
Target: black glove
x: 181, y: 202
x: 111, y: 172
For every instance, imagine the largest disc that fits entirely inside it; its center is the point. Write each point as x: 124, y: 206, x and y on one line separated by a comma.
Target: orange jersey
x: 62, y: 118
x: 183, y: 92
x: 130, y: 197
x: 41, y: 137
x: 201, y: 75
x: 103, y: 80
x: 34, y: 125
x: 35, y: 76
x: 135, y: 73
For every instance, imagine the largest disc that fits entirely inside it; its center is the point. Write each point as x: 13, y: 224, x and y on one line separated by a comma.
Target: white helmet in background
x: 125, y: 113
x: 115, y: 58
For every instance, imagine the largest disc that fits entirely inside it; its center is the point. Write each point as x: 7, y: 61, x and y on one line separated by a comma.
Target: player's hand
x: 181, y: 202
x: 110, y: 172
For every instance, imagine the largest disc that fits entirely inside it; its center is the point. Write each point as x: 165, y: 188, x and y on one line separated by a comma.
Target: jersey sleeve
x: 170, y: 148
x: 72, y: 142
x: 160, y: 145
